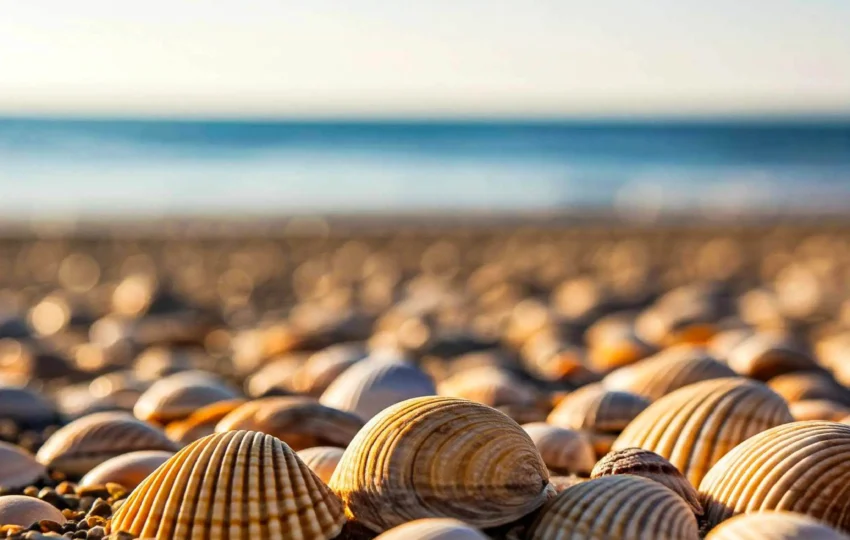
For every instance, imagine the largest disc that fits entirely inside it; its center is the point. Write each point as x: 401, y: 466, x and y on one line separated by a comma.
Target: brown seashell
x: 695, y: 426
x: 128, y: 469
x: 801, y: 386
x: 764, y: 356
x: 488, y: 386
x: 178, y: 396
x: 818, y: 409
x: 201, y: 422
x: 300, y: 422
x: 25, y: 407
x: 561, y: 483
x: 322, y: 460
x: 433, y: 529
x: 276, y: 377
x: 551, y: 359
x: 620, y: 507
x: 651, y: 466
x: 89, y: 441
x: 441, y: 457
x: 801, y: 467
x: 769, y: 525
x: 564, y: 451
x: 24, y: 511
x: 617, y: 350
x: 321, y: 368
x: 725, y: 341
x: 18, y: 468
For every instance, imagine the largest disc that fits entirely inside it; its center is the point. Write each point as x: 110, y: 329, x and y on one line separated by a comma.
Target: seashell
x: 440, y: 457
x: 802, y: 386
x: 89, y: 441
x: 488, y: 386
x: 371, y: 385
x: 695, y: 426
x: 561, y: 483
x: 801, y: 467
x: 602, y: 413
x: 564, y: 451
x: 276, y: 378
x: 768, y: 525
x: 260, y: 489
x: 128, y: 469
x: 619, y: 507
x: 617, y: 350
x: 649, y: 465
x: 763, y: 356
x: 667, y: 371
x: 18, y: 468
x: 818, y: 409
x: 201, y: 422
x: 24, y: 511
x: 433, y: 529
x: 178, y: 396
x: 300, y: 422
x: 25, y: 407
x: 321, y: 368
x: 667, y: 326
x: 725, y: 341
x: 322, y: 460
x: 551, y: 359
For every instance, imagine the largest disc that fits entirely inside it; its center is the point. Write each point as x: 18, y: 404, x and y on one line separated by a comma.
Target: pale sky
x: 424, y: 57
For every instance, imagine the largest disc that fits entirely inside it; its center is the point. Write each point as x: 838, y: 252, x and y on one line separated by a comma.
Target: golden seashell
x: 649, y: 465
x: 178, y: 396
x: 320, y: 369
x: 24, y: 511
x: 372, y: 385
x: 564, y: 451
x: 698, y: 424
x: 763, y: 356
x: 801, y: 467
x: 238, y: 484
x: 818, y: 409
x: 89, y: 441
x: 433, y: 529
x: 128, y: 469
x: 667, y: 371
x: 441, y: 457
x: 619, y: 507
x: 802, y: 386
x: 201, y: 422
x: 489, y: 386
x: 300, y: 422
x: 18, y: 468
x: 322, y: 460
x: 24, y: 407
x: 769, y: 525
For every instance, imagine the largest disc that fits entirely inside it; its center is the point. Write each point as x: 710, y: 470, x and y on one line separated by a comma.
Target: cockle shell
x: 818, y: 409
x: 801, y: 386
x: 18, y: 468
x: 24, y: 511
x: 321, y: 368
x: 201, y: 422
x: 695, y: 426
x: 800, y: 467
x: 322, y: 460
x: 649, y: 465
x: 300, y: 422
x: 127, y: 469
x: 763, y: 356
x: 238, y: 484
x: 433, y: 529
x: 768, y: 525
x: 25, y: 407
x: 565, y: 451
x: 441, y: 457
x: 488, y: 386
x: 89, y: 441
x: 177, y: 396
x: 620, y: 507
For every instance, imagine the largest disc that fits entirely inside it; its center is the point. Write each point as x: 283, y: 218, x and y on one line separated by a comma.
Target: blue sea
x: 70, y: 169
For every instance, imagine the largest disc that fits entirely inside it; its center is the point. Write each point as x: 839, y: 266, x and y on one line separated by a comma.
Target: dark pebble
x: 100, y: 508
x: 48, y: 495
x: 80, y: 534
x: 49, y: 526
x: 96, y: 533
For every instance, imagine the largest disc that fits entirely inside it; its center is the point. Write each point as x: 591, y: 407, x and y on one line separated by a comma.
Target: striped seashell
x: 649, y: 465
x: 300, y: 422
x: 24, y: 511
x: 667, y: 371
x: 697, y: 425
x: 433, y: 529
x: 178, y: 396
x: 489, y: 386
x: 768, y: 525
x: 800, y: 467
x: 818, y: 409
x: 321, y: 368
x: 564, y: 451
x: 128, y: 470
x: 202, y: 422
x: 24, y: 407
x: 89, y: 441
x: 238, y: 484
x: 441, y: 457
x: 322, y: 460
x: 620, y: 507
x: 372, y: 385
x: 18, y: 468
x: 763, y: 356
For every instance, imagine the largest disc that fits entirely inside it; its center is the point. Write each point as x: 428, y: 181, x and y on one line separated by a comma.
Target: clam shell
x: 18, y: 468
x: 620, y: 507
x: 488, y: 386
x: 89, y: 441
x: 178, y: 396
x: 238, y: 484
x: 800, y: 467
x: 372, y: 385
x: 300, y: 422
x: 322, y: 460
x: 25, y: 407
x: 433, y: 529
x: 649, y: 465
x: 24, y: 511
x: 321, y: 368
x: 763, y: 356
x: 128, y: 470
x: 769, y: 525
x: 818, y: 409
x: 201, y: 422
x: 802, y: 386
x: 565, y: 451
x: 697, y: 425
x: 441, y: 457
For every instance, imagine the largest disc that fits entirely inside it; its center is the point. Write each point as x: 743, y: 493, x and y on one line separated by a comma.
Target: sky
x: 434, y: 57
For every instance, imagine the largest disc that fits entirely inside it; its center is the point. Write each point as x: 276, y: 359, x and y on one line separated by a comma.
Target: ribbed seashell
x: 321, y: 368
x: 178, y: 396
x: 564, y: 451
x: 322, y: 460
x: 818, y: 409
x: 768, y: 525
x: 89, y: 441
x: 201, y: 422
x: 373, y: 384
x: 802, y: 386
x: 18, y: 468
x: 25, y: 407
x: 300, y: 422
x: 652, y: 466
x: 763, y: 356
x: 488, y: 386
x: 620, y: 507
x: 24, y: 511
x: 800, y: 467
x: 441, y: 457
x: 667, y: 371
x: 238, y: 484
x: 433, y: 529
x: 697, y: 425
x: 128, y: 470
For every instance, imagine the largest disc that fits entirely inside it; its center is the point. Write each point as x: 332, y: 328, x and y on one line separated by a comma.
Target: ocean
x: 89, y: 168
